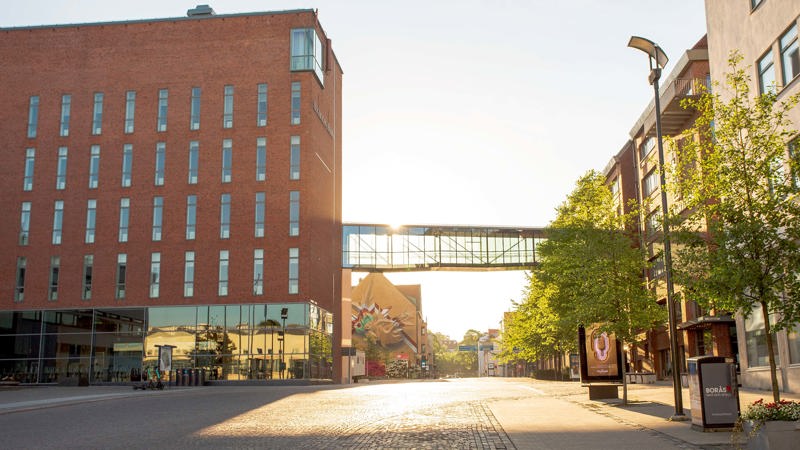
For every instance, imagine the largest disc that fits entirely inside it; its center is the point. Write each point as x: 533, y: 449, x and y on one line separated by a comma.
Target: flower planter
x: 772, y: 435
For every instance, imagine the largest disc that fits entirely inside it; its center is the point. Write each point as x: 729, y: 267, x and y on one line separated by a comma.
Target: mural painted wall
x: 382, y: 313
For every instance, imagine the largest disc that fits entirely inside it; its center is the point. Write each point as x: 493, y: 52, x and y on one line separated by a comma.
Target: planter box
x: 773, y: 435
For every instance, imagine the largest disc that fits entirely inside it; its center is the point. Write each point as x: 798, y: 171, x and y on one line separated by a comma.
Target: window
x: 158, y: 217
x: 130, y: 110
x: 163, y: 95
x: 191, y: 216
x: 19, y: 290
x: 657, y: 267
x: 756, y: 340
x: 188, y: 274
x: 296, y: 103
x: 652, y: 223
x: 194, y: 161
x: 793, y: 339
x: 650, y: 183
x: 262, y: 105
x: 227, y: 160
x: 91, y: 219
x: 225, y: 216
x: 66, y: 101
x: 155, y: 274
x: 61, y: 169
x: 94, y: 167
x: 58, y: 221
x: 124, y: 218
x: 307, y: 51
x: 55, y: 265
x: 122, y: 269
x: 223, y: 273
x: 294, y: 159
x: 294, y: 270
x: 25, y: 223
x: 258, y: 271
x: 161, y: 150
x: 227, y: 112
x: 88, y: 263
x: 294, y: 213
x: 766, y: 74
x: 194, y: 120
x: 97, y: 114
x: 33, y: 116
x: 260, y: 212
x: 30, y: 159
x: 261, y: 159
x: 790, y: 55
x: 647, y: 146
x: 793, y: 148
x: 127, y: 165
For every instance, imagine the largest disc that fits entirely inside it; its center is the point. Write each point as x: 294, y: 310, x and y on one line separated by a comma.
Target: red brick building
x: 154, y: 164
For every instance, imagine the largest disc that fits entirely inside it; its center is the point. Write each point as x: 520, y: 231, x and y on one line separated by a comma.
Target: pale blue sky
x: 462, y: 112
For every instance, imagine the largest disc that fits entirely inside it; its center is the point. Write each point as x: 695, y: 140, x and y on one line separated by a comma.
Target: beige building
x: 765, y: 32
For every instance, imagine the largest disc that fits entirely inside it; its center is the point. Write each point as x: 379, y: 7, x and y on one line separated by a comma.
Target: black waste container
x: 714, y: 392
x: 178, y: 377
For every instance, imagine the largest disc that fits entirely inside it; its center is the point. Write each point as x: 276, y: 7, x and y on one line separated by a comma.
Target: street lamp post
x: 282, y: 339
x: 658, y: 59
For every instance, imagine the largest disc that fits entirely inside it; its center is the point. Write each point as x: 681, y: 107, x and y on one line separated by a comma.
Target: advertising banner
x: 600, y: 355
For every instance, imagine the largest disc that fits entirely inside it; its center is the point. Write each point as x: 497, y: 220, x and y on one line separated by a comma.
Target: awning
x: 704, y: 322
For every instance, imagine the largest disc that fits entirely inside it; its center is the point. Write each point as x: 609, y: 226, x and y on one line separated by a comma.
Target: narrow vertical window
x: 130, y: 110
x: 258, y: 271
x: 225, y: 216
x: 191, y: 216
x: 227, y: 160
x: 88, y: 264
x: 227, y: 113
x: 790, y: 55
x: 58, y: 221
x: 163, y: 95
x: 294, y: 159
x: 25, y: 223
x: 30, y: 159
x: 19, y: 289
x: 261, y: 159
x: 55, y: 267
x: 33, y: 116
x: 223, y: 273
x: 262, y: 105
x: 127, y: 165
x: 260, y: 212
x: 66, y: 101
x: 158, y: 217
x: 61, y: 169
x: 161, y: 151
x: 94, y: 167
x: 188, y: 274
x: 91, y: 219
x: 124, y: 218
x: 194, y: 161
x: 294, y: 270
x: 122, y: 271
x: 155, y: 274
x: 294, y: 213
x: 194, y: 115
x: 766, y: 74
x: 296, y: 103
x: 97, y: 114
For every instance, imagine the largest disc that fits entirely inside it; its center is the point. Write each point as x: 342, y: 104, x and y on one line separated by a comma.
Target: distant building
x: 170, y: 182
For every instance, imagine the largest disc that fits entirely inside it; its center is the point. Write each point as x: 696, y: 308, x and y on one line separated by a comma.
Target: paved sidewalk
x: 25, y: 398
x: 565, y: 418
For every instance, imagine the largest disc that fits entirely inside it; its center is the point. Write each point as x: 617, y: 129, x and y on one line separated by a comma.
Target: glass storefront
x: 230, y: 342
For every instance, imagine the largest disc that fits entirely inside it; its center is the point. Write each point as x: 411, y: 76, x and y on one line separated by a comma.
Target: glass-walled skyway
x: 386, y: 248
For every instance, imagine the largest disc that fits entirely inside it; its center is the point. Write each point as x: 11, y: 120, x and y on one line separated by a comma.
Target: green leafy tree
x: 592, y: 267
x: 535, y: 330
x: 737, y: 224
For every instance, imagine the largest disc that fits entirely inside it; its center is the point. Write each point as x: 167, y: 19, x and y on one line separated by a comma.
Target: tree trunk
x: 773, y: 372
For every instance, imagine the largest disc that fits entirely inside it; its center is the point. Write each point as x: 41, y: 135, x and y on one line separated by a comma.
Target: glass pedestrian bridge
x: 384, y: 248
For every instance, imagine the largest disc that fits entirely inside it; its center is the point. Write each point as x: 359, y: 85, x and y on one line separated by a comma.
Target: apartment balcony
x: 674, y: 117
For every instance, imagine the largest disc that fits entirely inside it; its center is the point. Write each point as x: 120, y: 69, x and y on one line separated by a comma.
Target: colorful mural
x: 384, y: 314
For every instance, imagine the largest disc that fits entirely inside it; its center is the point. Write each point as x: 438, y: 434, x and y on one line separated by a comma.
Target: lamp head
x: 652, y: 49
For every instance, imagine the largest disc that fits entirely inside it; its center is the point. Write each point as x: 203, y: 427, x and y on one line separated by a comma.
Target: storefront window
x: 756, y: 340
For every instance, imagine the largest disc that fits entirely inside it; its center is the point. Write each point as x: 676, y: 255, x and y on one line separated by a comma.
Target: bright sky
x: 464, y: 112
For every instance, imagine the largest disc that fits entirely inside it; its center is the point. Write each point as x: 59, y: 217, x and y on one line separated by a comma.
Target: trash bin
x: 713, y: 393
x: 185, y: 377
x: 178, y: 377
x: 202, y: 377
x: 195, y: 377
